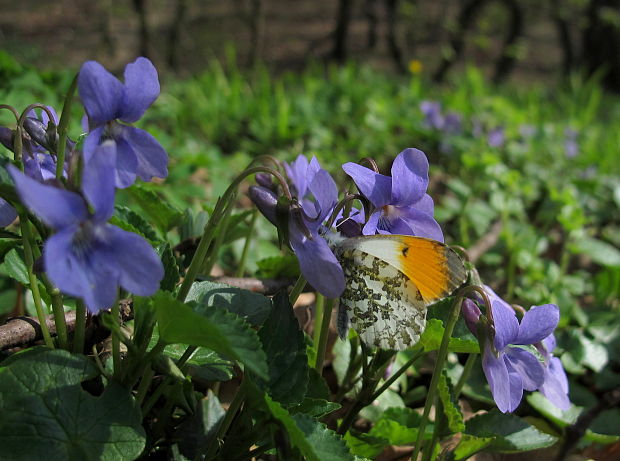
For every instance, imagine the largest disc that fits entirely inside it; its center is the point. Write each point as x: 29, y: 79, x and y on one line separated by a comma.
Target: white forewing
x: 381, y: 303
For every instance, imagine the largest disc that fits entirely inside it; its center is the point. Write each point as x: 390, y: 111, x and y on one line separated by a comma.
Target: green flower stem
x: 116, y: 341
x: 386, y: 385
x: 80, y: 327
x: 322, y: 344
x: 218, y: 213
x: 63, y: 126
x: 370, y: 378
x: 214, y: 248
x: 34, y: 284
x: 319, y: 307
x: 297, y: 289
x: 246, y: 247
x: 440, y: 420
x: 227, y: 421
x: 58, y: 309
x: 469, y: 365
x: 439, y: 363
x: 145, y: 383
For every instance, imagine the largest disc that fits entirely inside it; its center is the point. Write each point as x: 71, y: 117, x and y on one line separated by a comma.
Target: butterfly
x: 390, y: 281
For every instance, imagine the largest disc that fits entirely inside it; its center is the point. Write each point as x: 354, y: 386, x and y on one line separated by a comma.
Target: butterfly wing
x: 390, y: 281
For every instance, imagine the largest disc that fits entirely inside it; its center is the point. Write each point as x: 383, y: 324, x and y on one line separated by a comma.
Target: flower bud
x: 266, y: 201
x: 471, y: 314
x: 6, y: 137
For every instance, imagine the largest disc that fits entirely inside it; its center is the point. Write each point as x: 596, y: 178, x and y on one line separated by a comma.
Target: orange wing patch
x: 431, y: 265
x: 434, y: 267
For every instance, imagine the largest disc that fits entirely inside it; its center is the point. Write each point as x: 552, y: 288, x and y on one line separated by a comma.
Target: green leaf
x: 283, y: 342
x: 7, y: 244
x: 195, y: 433
x: 399, y: 426
x: 128, y: 219
x: 277, y: 267
x: 47, y: 415
x: 601, y: 252
x: 364, y: 444
x: 237, y: 227
x: 433, y: 334
x: 470, y: 445
x: 253, y: 307
x: 509, y: 433
x: 171, y: 270
x: 213, y: 328
x: 15, y: 267
x: 313, y: 439
x: 551, y: 412
x: 160, y: 212
x: 450, y: 404
x: 316, y: 408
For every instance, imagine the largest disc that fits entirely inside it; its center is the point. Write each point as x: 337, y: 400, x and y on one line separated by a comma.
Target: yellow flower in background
x: 415, y: 66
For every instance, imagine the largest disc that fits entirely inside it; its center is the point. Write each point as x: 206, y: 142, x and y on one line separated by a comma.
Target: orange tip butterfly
x: 390, y: 281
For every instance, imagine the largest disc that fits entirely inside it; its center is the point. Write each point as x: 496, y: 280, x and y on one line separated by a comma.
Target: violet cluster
x: 509, y: 366
x: 85, y: 256
x: 398, y: 204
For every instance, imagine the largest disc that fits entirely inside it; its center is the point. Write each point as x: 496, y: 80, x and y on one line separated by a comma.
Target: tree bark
x: 507, y: 60
x: 394, y: 47
x: 343, y: 21
x: 174, y: 37
x: 468, y: 12
x: 601, y: 42
x: 143, y: 29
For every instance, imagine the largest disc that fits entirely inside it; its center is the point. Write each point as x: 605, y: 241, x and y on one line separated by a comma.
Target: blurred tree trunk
x: 106, y: 28
x: 468, y: 13
x: 174, y: 36
x: 601, y: 41
x: 370, y: 10
x: 507, y: 60
x: 143, y: 31
x: 257, y: 31
x: 343, y: 20
x: 395, y: 51
x: 559, y: 16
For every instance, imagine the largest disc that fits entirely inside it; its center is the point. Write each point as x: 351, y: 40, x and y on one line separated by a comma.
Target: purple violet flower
x: 510, y: 369
x: 432, y: 114
x: 87, y: 257
x: 401, y: 203
x: 452, y: 123
x: 107, y: 100
x: 7, y: 213
x: 317, y: 195
x: 571, y: 147
x: 496, y: 137
x: 555, y: 385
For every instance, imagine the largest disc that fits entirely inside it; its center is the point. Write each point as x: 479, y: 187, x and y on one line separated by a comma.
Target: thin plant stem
x: 80, y: 327
x: 63, y: 125
x: 228, y: 419
x: 299, y: 286
x: 34, y: 284
x: 469, y: 365
x: 59, y: 317
x: 386, y: 385
x: 219, y: 238
x: 322, y: 343
x: 145, y: 383
x: 116, y: 342
x: 439, y: 363
x: 319, y: 307
x: 246, y: 247
x: 429, y: 446
x: 209, y: 231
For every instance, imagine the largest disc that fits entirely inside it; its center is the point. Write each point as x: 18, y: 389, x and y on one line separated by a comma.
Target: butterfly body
x: 390, y: 281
